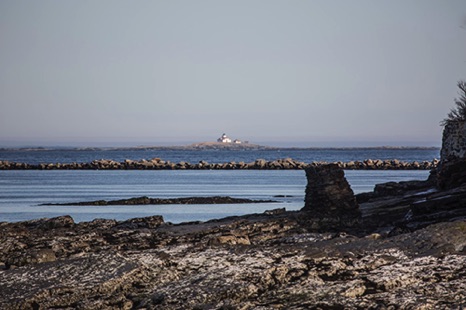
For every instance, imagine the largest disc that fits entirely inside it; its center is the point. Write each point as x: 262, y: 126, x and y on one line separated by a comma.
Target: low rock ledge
x: 144, y: 200
x: 259, y: 164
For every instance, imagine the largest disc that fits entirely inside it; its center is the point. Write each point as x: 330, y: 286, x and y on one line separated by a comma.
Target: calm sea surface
x: 219, y: 156
x: 22, y: 191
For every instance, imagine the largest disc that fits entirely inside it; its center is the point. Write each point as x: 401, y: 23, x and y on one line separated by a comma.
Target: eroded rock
x: 329, y: 199
x: 177, y: 267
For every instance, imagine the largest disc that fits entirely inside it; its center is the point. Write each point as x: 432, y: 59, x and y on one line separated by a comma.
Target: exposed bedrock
x: 453, y: 140
x: 415, y: 204
x: 248, y: 262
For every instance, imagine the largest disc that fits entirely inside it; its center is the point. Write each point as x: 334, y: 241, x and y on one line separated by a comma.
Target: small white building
x: 237, y: 141
x: 224, y: 139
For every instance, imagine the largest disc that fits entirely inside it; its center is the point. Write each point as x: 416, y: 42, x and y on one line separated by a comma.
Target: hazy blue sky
x: 314, y: 73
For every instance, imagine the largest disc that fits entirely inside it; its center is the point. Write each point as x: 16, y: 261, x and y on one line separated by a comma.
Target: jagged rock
x: 142, y: 222
x: 230, y: 239
x: 453, y: 141
x: 228, y: 264
x: 52, y: 223
x: 329, y: 198
x: 328, y: 190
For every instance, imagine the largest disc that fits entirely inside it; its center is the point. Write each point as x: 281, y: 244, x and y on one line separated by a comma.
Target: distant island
x: 211, y: 146
x: 225, y: 142
x: 222, y: 143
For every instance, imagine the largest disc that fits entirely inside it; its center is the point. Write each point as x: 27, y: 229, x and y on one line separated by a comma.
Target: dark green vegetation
x: 458, y: 113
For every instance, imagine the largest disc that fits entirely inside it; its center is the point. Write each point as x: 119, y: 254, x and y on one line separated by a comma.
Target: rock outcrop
x: 330, y: 202
x: 249, y: 262
x: 453, y: 140
x: 407, y: 206
x: 451, y: 173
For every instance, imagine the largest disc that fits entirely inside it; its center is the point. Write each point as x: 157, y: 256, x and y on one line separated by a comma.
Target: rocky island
x: 402, y: 246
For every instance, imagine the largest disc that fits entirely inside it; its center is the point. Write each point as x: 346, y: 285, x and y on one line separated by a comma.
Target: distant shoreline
x: 209, y: 146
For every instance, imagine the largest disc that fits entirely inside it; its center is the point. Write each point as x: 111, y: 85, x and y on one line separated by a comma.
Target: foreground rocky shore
x: 254, y: 262
x: 402, y: 246
x: 260, y: 164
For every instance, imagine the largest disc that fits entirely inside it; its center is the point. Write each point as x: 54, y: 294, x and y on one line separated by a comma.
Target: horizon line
x: 195, y: 146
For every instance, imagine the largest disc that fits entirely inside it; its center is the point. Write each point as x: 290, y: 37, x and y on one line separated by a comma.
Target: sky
x: 291, y: 73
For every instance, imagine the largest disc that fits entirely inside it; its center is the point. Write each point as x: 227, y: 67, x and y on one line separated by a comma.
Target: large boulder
x: 329, y: 200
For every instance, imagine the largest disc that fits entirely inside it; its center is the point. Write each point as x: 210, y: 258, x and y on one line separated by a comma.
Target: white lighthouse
x: 224, y: 139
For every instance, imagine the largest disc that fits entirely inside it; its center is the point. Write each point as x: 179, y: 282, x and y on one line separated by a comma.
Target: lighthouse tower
x: 224, y: 139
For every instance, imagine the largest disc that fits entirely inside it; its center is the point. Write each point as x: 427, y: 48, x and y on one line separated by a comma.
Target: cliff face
x: 454, y: 141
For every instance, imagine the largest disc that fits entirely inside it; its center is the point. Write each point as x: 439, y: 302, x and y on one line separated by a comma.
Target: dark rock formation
x: 159, y: 201
x: 329, y: 198
x: 328, y: 190
x: 451, y: 173
x: 415, y: 204
x: 453, y: 140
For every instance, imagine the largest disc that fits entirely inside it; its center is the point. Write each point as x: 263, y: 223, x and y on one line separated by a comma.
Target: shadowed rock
x: 451, y: 173
x: 329, y: 198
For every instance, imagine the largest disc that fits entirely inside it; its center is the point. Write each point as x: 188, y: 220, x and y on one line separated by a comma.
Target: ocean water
x: 218, y: 156
x: 22, y: 191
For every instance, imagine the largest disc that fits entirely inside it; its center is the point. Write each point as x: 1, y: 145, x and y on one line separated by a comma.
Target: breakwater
x: 259, y: 164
